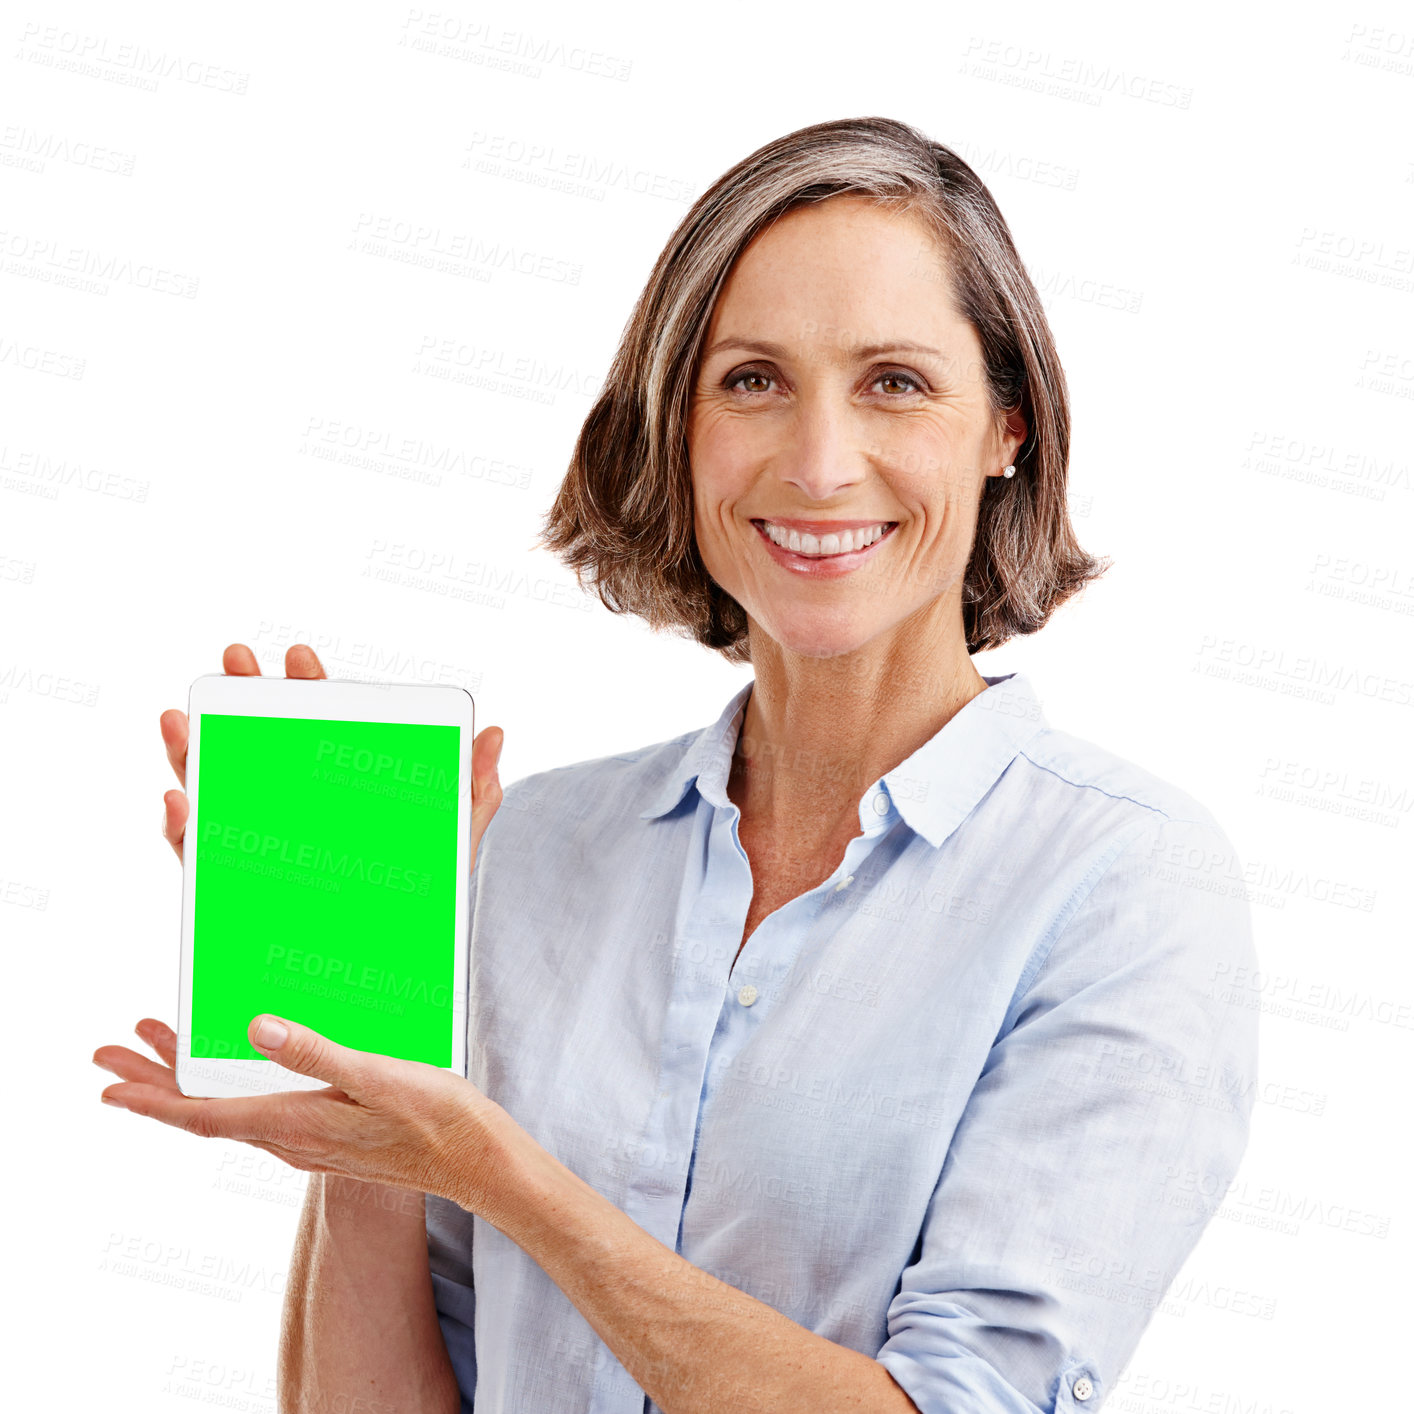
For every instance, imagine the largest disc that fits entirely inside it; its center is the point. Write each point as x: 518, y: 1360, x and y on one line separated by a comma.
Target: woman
x: 863, y: 1049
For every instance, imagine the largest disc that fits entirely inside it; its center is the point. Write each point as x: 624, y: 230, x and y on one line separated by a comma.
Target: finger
x: 176, y: 808
x: 128, y: 1065
x: 301, y: 661
x: 485, y: 768
x: 160, y: 1037
x: 306, y: 1052
x: 249, y: 1117
x: 173, y: 726
x: 239, y: 662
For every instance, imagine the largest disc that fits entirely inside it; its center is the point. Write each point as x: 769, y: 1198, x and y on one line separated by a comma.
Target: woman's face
x: 840, y: 392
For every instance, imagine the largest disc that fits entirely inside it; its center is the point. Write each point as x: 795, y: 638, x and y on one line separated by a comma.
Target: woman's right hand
x: 301, y: 661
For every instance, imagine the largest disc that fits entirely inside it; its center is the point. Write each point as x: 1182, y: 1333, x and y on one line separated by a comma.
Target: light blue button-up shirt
x: 966, y: 1106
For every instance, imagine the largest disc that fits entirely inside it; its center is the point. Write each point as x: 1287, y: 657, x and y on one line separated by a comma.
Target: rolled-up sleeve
x: 1111, y: 1115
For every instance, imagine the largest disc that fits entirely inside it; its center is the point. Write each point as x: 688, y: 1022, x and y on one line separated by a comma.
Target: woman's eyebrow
x: 771, y: 350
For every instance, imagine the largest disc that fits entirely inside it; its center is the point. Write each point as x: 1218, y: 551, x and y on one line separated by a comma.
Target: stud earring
x: 1009, y: 471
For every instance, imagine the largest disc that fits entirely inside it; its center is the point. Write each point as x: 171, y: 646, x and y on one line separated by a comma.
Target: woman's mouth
x: 822, y: 551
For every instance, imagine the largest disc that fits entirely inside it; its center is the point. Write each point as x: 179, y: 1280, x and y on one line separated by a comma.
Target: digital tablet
x: 325, y: 874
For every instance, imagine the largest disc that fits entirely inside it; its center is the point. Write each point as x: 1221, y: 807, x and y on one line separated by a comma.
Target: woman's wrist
x: 491, y: 1164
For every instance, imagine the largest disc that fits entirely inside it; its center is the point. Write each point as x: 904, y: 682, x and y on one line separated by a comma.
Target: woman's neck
x: 819, y: 731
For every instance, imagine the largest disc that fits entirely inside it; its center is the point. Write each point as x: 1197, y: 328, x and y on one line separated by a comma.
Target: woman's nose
x: 825, y: 456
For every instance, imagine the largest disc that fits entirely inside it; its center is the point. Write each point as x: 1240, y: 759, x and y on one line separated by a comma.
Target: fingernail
x: 117, y: 1104
x: 270, y: 1035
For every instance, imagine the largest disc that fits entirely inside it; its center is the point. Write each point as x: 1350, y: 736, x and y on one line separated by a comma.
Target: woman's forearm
x: 693, y: 1343
x: 359, y: 1328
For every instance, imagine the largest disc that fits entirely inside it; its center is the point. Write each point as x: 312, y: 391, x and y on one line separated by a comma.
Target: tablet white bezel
x: 337, y: 699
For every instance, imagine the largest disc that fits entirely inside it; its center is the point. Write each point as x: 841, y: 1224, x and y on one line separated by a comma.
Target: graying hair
x: 623, y: 516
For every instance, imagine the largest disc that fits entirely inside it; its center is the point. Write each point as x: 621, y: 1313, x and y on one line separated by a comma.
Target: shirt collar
x: 933, y: 790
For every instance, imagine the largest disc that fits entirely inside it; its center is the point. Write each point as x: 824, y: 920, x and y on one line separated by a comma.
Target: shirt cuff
x: 967, y: 1384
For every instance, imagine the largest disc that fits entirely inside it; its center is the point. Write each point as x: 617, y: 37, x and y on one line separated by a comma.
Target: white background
x: 208, y: 444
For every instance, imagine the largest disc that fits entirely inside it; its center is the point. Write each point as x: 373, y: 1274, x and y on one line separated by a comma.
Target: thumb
x: 304, y: 1051
x: 486, y: 757
x: 486, y: 772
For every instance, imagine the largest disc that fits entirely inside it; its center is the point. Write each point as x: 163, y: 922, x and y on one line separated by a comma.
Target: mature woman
x: 863, y: 1049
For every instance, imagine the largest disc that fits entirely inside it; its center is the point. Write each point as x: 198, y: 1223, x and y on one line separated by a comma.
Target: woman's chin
x: 817, y: 635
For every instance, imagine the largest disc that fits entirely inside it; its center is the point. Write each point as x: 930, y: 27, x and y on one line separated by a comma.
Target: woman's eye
x: 897, y: 378
x: 895, y: 383
x: 757, y: 376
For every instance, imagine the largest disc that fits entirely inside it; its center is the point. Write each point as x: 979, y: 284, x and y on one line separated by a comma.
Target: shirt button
x: 844, y: 883
x: 881, y: 804
x: 1082, y: 1388
x: 747, y: 995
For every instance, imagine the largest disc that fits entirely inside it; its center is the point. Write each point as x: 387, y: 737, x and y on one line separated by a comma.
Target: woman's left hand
x: 397, y: 1122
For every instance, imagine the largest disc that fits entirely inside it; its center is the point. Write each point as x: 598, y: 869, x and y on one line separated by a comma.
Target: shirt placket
x: 771, y: 953
x: 714, y: 900
x: 716, y: 1001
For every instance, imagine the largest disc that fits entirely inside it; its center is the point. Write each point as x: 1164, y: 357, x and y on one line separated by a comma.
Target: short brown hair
x: 623, y: 516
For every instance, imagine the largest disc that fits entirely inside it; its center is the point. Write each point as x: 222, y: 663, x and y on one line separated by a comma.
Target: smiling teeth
x: 842, y: 544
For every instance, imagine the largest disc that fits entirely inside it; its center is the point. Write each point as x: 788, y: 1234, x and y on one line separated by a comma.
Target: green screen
x: 326, y: 883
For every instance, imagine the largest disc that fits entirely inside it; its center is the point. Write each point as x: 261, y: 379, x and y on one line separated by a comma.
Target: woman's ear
x: 1014, y: 430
